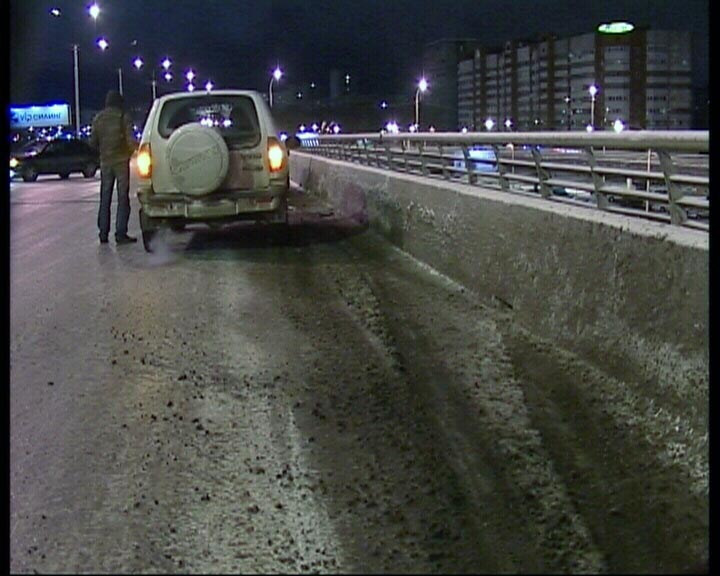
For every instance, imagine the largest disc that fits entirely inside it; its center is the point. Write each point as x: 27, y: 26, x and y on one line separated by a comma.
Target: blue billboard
x: 39, y: 116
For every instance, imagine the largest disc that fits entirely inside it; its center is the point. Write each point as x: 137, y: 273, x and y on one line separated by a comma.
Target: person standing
x: 112, y: 136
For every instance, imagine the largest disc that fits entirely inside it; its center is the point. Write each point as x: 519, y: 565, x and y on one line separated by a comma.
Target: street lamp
x: 209, y: 86
x: 168, y: 76
x: 190, y: 87
x: 166, y: 63
x: 138, y: 63
x: 489, y: 124
x: 422, y: 87
x: 55, y: 12
x: 102, y: 44
x: 276, y: 75
x: 190, y: 75
x: 508, y: 123
x: 593, y: 91
x: 94, y: 11
x: 618, y: 125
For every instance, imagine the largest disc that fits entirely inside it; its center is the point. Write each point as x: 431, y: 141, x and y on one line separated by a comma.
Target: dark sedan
x: 61, y: 157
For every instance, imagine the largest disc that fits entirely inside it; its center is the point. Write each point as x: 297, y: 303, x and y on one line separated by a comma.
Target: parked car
x: 211, y: 158
x: 61, y: 157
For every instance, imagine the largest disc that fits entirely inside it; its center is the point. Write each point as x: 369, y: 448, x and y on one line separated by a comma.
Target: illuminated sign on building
x: 616, y: 28
x: 39, y: 116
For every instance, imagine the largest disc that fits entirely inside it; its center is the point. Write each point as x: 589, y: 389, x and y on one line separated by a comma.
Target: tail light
x: 144, y: 161
x: 276, y: 155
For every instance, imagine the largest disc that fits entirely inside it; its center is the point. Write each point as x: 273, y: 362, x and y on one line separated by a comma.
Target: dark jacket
x: 112, y: 136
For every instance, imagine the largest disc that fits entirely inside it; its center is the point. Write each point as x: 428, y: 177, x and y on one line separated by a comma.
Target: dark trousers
x: 108, y: 176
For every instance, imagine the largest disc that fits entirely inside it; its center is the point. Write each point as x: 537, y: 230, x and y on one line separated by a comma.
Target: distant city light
x: 312, y: 85
x: 283, y: 136
x: 464, y: 130
x: 277, y: 73
x: 588, y: 128
x: 138, y: 63
x: 168, y: 76
x: 489, y: 124
x: 55, y: 12
x: 166, y: 63
x: 314, y: 127
x: 299, y: 95
x: 336, y: 129
x: 383, y: 104
x: 302, y: 127
x: 227, y: 123
x: 412, y: 128
x: 209, y: 86
x: 102, y: 43
x: 190, y: 75
x: 423, y: 85
x: 190, y: 88
x: 508, y: 123
x: 94, y: 11
x: 616, y: 28
x: 347, y: 78
x: 392, y: 127
x: 618, y: 125
x: 432, y: 128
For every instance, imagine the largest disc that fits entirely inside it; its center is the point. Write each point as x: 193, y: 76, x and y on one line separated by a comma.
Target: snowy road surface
x: 250, y: 400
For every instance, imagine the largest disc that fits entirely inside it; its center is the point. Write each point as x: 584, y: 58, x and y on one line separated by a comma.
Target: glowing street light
x: 94, y: 11
x: 168, y: 77
x: 618, y: 125
x: 166, y: 63
x: 508, y: 123
x: 489, y: 124
x: 593, y: 91
x: 55, y: 12
x: 190, y: 75
x: 276, y: 75
x: 383, y: 105
x: 422, y: 87
x: 589, y: 128
x: 190, y: 88
x: 209, y: 86
x: 102, y: 44
x: 138, y: 63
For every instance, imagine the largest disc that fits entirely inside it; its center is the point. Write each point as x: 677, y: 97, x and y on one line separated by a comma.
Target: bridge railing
x: 660, y: 175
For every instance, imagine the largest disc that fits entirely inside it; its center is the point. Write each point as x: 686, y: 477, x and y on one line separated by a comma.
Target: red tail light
x: 276, y: 155
x: 143, y: 162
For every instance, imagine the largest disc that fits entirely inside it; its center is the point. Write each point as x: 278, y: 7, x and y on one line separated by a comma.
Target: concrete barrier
x: 628, y: 295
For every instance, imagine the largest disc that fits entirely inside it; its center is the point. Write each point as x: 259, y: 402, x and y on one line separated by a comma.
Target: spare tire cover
x: 198, y: 159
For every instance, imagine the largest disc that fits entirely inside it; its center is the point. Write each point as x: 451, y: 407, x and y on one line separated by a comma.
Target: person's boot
x: 125, y: 239
x: 103, y: 239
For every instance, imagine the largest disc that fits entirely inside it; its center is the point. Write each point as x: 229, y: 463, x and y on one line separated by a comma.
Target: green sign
x: 616, y: 28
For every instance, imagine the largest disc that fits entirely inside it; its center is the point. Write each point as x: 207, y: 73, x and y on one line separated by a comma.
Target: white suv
x: 210, y: 157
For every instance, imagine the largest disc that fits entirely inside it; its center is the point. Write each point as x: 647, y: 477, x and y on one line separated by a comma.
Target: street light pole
x: 120, y: 87
x: 593, y: 91
x: 77, y: 90
x: 276, y: 75
x: 422, y: 86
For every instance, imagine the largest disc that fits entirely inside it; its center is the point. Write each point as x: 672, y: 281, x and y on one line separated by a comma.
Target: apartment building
x: 642, y: 78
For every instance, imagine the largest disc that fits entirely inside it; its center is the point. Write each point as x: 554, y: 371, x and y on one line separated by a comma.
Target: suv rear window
x: 234, y: 116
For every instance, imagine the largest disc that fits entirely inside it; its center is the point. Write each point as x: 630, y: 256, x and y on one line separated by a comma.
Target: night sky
x: 236, y: 43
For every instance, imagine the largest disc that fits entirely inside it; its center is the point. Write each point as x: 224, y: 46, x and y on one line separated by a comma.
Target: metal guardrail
x: 660, y: 175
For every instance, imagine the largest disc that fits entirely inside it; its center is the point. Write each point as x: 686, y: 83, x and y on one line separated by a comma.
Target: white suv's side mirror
x: 292, y: 142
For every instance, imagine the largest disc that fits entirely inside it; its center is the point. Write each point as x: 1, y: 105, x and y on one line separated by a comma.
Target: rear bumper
x: 221, y: 205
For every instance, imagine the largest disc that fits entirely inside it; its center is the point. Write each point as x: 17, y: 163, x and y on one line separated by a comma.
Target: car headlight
x: 14, y: 162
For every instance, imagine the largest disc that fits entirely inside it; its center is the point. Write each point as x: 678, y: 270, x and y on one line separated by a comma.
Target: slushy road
x: 311, y: 400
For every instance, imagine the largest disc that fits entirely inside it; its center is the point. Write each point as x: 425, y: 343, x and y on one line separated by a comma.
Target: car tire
x: 149, y: 229
x: 90, y: 171
x: 64, y: 175
x: 29, y: 175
